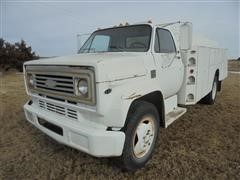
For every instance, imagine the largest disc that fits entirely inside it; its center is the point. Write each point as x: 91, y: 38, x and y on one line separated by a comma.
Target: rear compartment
x: 201, y: 64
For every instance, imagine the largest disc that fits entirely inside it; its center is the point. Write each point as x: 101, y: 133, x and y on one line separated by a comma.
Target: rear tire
x: 211, y: 97
x: 141, y: 133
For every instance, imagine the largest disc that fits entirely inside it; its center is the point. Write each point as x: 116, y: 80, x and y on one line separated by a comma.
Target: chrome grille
x: 63, y: 84
x: 58, y: 109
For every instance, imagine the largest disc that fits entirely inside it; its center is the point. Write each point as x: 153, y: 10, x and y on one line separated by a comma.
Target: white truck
x: 125, y: 83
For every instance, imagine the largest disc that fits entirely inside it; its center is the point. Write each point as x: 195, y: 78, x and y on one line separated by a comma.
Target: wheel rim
x: 144, y: 136
x: 214, y: 90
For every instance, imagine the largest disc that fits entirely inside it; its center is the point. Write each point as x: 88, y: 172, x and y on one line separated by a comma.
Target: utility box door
x: 203, y: 72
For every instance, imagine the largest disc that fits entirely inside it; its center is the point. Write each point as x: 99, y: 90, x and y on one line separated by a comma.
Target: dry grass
x: 234, y: 65
x: 203, y: 144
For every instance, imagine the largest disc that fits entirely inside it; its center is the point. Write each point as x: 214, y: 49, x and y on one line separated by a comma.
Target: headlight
x: 83, y: 87
x: 30, y: 80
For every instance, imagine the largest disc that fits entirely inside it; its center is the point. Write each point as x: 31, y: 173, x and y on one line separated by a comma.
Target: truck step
x: 173, y: 115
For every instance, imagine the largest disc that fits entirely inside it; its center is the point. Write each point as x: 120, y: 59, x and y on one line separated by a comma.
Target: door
x: 168, y: 62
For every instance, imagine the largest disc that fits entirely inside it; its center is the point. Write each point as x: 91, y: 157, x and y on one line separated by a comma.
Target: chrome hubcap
x: 143, y: 137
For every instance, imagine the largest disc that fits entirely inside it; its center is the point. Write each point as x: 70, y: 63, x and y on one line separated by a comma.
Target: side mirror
x: 186, y: 36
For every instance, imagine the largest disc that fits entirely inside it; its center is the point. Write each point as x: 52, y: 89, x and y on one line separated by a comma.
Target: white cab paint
x: 129, y: 76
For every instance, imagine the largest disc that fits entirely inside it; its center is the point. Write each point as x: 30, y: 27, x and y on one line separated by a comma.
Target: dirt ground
x: 202, y: 144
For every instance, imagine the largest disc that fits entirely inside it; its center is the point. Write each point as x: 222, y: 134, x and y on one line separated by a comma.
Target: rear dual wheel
x: 211, y: 97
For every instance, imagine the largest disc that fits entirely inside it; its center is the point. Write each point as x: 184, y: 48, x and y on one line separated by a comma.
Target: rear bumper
x: 94, y: 141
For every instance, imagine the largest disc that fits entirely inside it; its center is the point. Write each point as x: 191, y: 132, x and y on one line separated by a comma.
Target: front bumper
x: 94, y: 141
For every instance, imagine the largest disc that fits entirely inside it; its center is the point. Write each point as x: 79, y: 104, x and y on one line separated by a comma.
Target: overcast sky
x: 50, y: 27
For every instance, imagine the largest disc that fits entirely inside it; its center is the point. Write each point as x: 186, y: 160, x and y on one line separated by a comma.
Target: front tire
x: 141, y: 133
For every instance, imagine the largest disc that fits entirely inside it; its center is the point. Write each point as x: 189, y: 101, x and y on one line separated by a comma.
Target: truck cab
x: 125, y: 83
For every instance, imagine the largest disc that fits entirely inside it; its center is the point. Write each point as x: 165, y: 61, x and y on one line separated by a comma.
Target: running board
x: 174, y: 115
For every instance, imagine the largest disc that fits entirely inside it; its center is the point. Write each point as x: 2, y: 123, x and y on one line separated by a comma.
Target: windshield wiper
x: 117, y: 47
x: 86, y: 50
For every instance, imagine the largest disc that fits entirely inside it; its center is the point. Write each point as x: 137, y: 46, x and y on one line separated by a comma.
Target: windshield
x: 128, y: 38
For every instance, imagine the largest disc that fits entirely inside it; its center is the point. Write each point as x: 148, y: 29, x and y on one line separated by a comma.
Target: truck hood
x: 108, y: 66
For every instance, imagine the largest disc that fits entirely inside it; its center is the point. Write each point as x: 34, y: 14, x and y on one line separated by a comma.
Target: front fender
x: 114, y: 106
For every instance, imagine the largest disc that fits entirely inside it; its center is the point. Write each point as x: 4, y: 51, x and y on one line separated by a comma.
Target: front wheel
x: 141, y: 133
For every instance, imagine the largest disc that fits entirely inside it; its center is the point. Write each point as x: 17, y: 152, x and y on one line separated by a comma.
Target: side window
x: 100, y: 43
x: 156, y: 44
x: 166, y: 42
